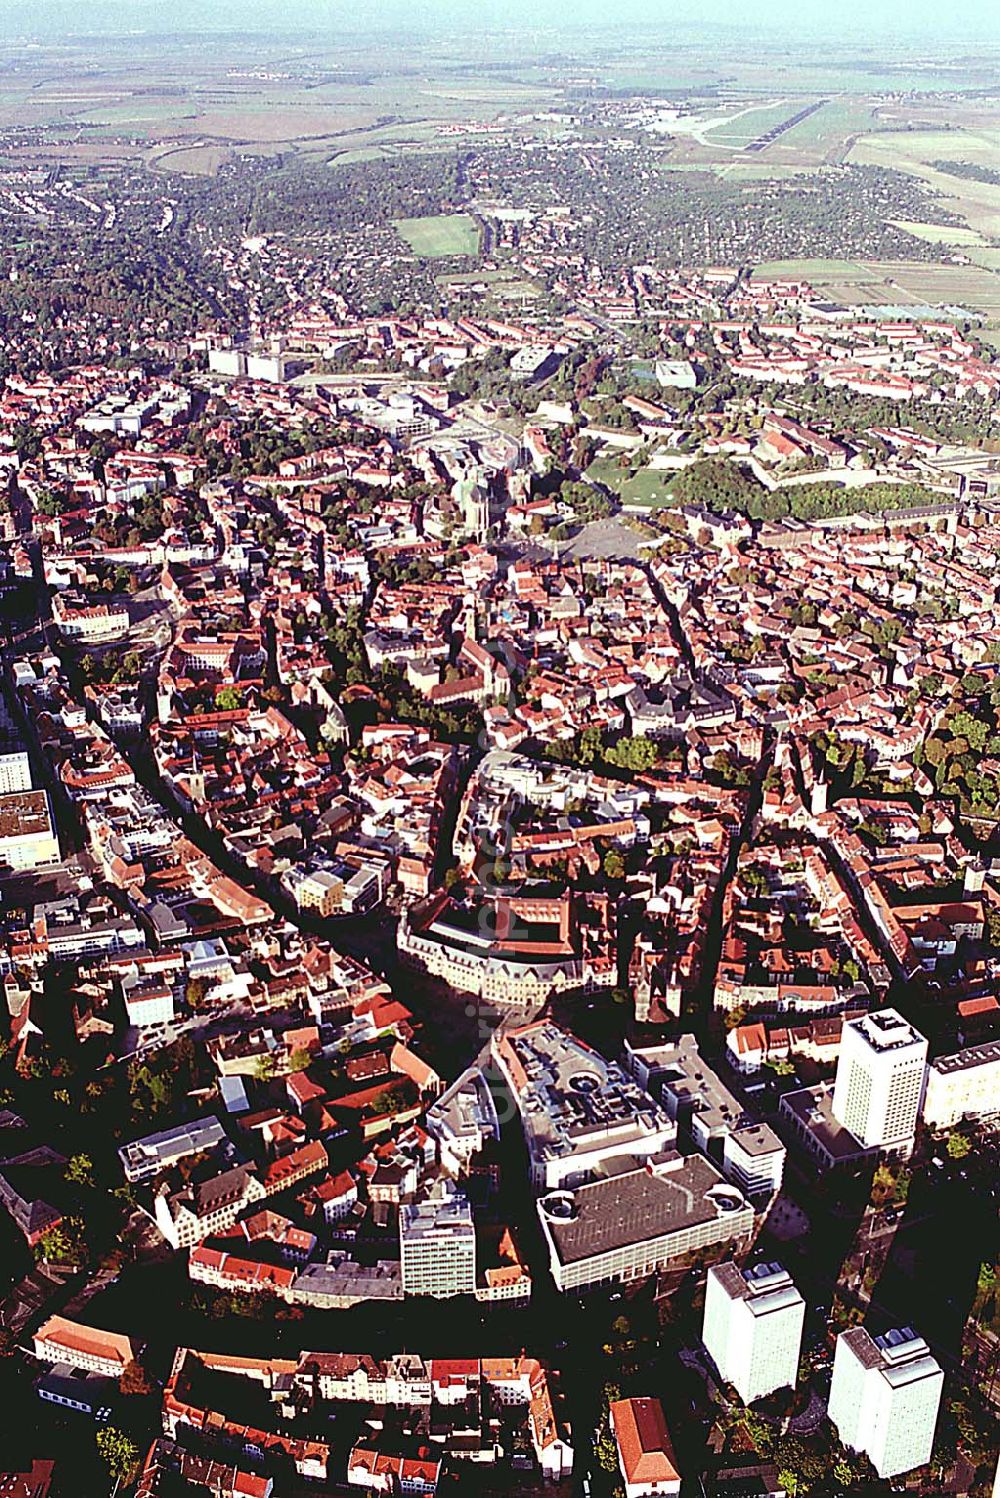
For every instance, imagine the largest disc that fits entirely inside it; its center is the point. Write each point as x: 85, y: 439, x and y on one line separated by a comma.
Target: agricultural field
x: 819, y: 272
x: 950, y: 234
x: 916, y: 150
x: 320, y: 102
x: 896, y: 283
x: 440, y: 235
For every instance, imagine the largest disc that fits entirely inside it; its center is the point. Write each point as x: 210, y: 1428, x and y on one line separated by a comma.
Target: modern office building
x: 884, y: 1398
x: 27, y: 832
x: 147, y: 1157
x: 753, y: 1327
x: 437, y: 1243
x: 631, y: 1221
x: 747, y: 1151
x: 880, y: 1078
x: 15, y: 772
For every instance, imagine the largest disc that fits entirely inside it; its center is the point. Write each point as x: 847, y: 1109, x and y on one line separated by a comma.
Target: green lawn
x: 442, y: 234
x: 938, y: 233
x: 647, y: 486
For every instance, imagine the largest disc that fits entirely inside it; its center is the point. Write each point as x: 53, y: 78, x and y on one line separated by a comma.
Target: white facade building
x: 963, y: 1085
x: 880, y: 1077
x: 437, y: 1242
x: 15, y: 773
x: 753, y: 1327
x: 463, y: 1121
x: 27, y: 831
x: 884, y: 1398
x: 59, y: 1340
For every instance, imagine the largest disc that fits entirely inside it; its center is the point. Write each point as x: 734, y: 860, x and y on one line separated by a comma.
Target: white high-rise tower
x: 753, y: 1327
x: 884, y: 1398
x: 880, y: 1076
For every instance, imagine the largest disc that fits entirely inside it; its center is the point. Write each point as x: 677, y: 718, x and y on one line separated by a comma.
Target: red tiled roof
x: 647, y: 1453
x: 75, y: 1337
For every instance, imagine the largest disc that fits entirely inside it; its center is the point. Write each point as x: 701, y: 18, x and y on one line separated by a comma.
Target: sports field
x: 441, y: 234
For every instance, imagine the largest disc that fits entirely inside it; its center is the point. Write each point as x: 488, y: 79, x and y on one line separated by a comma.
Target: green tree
x: 64, y: 1243
x: 614, y: 864
x: 80, y: 1170
x: 635, y: 754
x: 119, y: 1453
x: 959, y: 1146
x: 228, y: 699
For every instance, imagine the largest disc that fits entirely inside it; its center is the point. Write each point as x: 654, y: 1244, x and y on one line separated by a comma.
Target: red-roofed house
x: 384, y: 1473
x: 645, y: 1450
x: 61, y: 1341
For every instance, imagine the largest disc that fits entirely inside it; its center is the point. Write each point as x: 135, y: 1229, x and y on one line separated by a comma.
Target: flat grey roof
x: 973, y: 1055
x: 635, y: 1206
x: 813, y: 1108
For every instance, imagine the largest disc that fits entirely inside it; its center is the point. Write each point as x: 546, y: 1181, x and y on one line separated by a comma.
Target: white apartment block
x: 15, y: 773
x: 437, y: 1241
x: 880, y: 1077
x: 963, y: 1085
x: 884, y: 1398
x: 753, y: 1327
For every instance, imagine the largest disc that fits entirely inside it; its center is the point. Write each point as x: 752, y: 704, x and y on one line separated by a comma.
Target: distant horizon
x: 856, y: 25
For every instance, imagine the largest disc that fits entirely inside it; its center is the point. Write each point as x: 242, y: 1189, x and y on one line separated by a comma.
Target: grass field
x: 645, y: 486
x: 939, y: 233
x: 827, y: 132
x: 915, y: 151
x: 737, y: 133
x: 819, y: 271
x: 441, y: 234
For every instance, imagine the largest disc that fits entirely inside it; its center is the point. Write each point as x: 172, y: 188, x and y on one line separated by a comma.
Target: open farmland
x: 916, y: 151
x: 896, y: 283
x: 440, y: 235
x: 950, y: 234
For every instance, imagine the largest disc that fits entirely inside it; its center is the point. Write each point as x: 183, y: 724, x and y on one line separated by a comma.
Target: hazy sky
x: 896, y: 22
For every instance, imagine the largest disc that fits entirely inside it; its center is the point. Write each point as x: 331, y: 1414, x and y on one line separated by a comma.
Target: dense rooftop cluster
x: 499, y: 804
